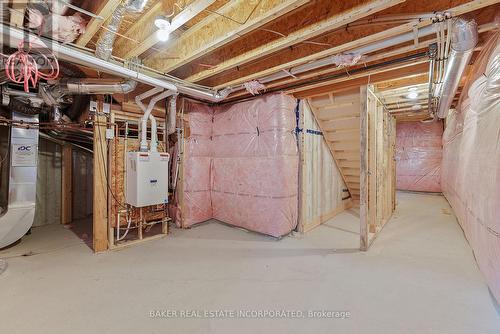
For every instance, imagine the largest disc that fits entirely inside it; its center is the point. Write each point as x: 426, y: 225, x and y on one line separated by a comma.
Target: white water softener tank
x: 147, y: 178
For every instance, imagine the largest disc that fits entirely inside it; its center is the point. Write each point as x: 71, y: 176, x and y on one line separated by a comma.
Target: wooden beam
x: 301, y: 35
x: 66, y: 184
x: 363, y: 182
x: 138, y: 31
x: 217, y: 30
x: 359, y: 75
x: 148, y: 41
x: 105, y: 11
x: 17, y: 12
x: 100, y: 214
x: 458, y: 10
x: 319, y: 55
x: 403, y: 82
x: 349, y: 83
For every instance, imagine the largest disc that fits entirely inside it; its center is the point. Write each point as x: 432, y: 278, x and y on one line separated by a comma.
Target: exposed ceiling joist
x: 319, y: 55
x: 138, y: 31
x: 403, y: 82
x: 361, y: 42
x: 105, y: 11
x: 187, y: 14
x: 17, y: 13
x: 217, y: 30
x: 301, y: 35
x: 367, y: 77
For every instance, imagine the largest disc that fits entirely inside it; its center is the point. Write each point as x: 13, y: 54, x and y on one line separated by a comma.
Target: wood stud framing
x: 100, y: 214
x: 338, y: 118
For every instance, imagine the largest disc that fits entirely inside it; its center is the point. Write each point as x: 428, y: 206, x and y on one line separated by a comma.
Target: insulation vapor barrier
x: 241, y: 165
x: 471, y: 162
x: 418, y: 156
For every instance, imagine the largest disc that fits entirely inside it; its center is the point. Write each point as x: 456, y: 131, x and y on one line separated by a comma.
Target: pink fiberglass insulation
x: 418, y: 156
x: 247, y: 159
x: 197, y: 164
x: 255, y: 165
x: 471, y: 162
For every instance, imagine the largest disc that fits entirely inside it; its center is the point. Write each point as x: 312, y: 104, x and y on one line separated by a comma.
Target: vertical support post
x: 66, y: 184
x: 100, y: 202
x: 111, y: 172
x: 363, y: 182
x: 393, y: 157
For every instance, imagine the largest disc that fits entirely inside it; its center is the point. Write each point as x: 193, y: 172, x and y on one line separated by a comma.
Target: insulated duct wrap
x: 104, y: 46
x: 76, y: 86
x: 172, y: 115
x: 464, y: 37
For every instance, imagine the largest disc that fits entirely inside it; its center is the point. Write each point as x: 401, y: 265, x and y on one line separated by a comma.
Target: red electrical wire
x: 22, y: 67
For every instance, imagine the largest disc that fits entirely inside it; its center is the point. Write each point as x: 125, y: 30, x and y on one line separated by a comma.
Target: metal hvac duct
x: 23, y: 157
x: 12, y: 37
x: 52, y: 94
x: 464, y: 37
x: 104, y: 46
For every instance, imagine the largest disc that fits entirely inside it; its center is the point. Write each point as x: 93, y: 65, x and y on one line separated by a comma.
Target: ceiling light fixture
x: 162, y: 22
x: 412, y: 95
x: 162, y: 35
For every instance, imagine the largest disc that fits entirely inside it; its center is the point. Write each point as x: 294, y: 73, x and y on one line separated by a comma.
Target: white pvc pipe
x: 13, y: 36
x: 148, y: 116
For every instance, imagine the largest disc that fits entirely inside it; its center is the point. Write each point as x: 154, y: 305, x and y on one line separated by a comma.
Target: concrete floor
x: 419, y: 277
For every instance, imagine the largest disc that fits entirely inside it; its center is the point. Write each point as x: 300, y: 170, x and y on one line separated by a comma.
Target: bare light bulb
x: 412, y: 95
x: 162, y: 35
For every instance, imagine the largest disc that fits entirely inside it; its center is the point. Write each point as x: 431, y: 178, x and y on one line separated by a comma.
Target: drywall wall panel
x: 418, y: 156
x: 322, y: 186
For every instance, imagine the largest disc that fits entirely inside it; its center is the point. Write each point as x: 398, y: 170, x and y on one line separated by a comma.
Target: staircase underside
x: 338, y: 118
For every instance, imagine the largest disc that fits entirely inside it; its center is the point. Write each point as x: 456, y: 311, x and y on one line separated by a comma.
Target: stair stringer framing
x: 338, y: 117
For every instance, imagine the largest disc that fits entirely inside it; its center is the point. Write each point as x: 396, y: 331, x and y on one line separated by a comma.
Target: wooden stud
x: 363, y: 198
x: 100, y: 214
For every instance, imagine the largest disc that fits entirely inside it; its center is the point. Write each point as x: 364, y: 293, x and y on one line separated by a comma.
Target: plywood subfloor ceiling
x: 220, y: 43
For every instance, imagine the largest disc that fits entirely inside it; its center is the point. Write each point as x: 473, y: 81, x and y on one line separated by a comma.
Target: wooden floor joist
x: 301, y: 35
x: 217, y: 30
x: 147, y: 39
x: 104, y: 11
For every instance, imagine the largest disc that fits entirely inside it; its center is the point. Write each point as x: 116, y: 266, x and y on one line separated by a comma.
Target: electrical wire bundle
x: 22, y: 67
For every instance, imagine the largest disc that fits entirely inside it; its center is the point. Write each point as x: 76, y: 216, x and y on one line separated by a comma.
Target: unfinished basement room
x: 250, y: 166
